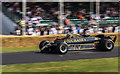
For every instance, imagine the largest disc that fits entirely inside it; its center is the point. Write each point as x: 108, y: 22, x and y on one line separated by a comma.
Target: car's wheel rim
x: 44, y: 45
x: 109, y: 45
x: 63, y: 49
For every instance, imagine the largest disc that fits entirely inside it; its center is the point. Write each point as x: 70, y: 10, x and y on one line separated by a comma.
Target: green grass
x: 89, y: 65
x: 24, y: 49
x: 117, y: 44
x: 20, y: 49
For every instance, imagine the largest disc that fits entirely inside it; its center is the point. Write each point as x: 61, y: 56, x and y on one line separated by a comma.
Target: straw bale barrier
x: 31, y: 41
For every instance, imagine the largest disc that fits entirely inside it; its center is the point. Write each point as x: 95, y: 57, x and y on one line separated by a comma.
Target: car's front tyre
x: 42, y: 44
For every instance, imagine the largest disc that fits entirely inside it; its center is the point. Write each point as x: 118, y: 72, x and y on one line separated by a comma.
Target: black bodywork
x: 81, y: 41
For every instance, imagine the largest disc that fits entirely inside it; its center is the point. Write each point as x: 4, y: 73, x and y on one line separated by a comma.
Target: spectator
x: 53, y: 30
x: 79, y: 16
x: 66, y: 29
x: 36, y: 32
x: 91, y: 22
x: 10, y: 9
x: 18, y: 31
x: 70, y: 29
x: 95, y: 29
x: 42, y: 29
x: 74, y: 31
x: 30, y: 30
x: 18, y: 10
x: 67, y: 22
x: 59, y: 29
x: 109, y: 28
x: 78, y: 28
x: 48, y: 31
x: 103, y: 29
x: 85, y: 29
x: 115, y: 28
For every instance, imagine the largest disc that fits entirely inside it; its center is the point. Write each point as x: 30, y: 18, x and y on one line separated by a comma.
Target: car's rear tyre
x: 105, y: 45
x: 42, y: 44
x: 61, y: 48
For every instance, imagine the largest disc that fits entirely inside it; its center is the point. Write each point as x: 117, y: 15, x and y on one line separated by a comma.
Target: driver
x: 69, y: 35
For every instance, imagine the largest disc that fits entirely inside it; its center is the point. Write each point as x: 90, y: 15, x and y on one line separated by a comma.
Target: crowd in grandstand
x: 37, y: 11
x: 14, y: 7
x: 72, y: 29
x: 82, y: 10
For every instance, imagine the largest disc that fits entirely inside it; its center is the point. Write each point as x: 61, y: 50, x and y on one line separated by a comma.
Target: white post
x: 23, y: 15
x: 61, y: 11
x: 98, y: 10
x: 91, y: 6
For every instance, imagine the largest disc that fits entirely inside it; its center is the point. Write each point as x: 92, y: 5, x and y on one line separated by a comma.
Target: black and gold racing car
x: 78, y: 42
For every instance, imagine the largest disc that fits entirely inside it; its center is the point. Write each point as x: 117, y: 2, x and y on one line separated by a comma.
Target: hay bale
x: 31, y: 41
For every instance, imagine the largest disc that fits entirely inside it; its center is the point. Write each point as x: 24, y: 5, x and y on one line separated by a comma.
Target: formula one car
x: 78, y: 42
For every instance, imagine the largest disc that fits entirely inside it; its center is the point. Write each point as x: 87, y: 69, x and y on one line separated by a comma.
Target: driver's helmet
x: 69, y: 35
x: 76, y: 35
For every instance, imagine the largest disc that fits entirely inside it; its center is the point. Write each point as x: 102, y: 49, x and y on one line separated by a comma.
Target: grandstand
x: 13, y: 10
x: 47, y: 13
x: 110, y: 13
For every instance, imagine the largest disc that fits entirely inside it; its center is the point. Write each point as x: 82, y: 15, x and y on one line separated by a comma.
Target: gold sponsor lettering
x: 74, y: 40
x: 96, y: 42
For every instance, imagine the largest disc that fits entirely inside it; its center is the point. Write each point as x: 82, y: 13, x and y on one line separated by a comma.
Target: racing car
x: 78, y: 42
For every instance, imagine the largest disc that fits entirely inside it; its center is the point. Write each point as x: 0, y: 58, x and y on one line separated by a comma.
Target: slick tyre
x: 43, y: 43
x: 61, y: 48
x: 105, y: 45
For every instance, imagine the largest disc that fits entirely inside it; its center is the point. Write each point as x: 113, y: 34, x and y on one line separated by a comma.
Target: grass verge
x: 24, y: 49
x: 19, y: 49
x: 117, y: 44
x: 89, y: 65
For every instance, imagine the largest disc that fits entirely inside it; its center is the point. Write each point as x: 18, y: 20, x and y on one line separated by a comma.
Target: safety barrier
x: 31, y: 41
x: 26, y: 41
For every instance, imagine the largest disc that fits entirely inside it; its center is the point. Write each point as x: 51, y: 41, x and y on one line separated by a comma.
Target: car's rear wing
x: 113, y: 37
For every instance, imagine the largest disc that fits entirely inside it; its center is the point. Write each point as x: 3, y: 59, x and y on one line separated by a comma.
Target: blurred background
x: 46, y: 18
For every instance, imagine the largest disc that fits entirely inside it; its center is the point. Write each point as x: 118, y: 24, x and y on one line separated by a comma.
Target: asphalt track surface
x: 33, y: 57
